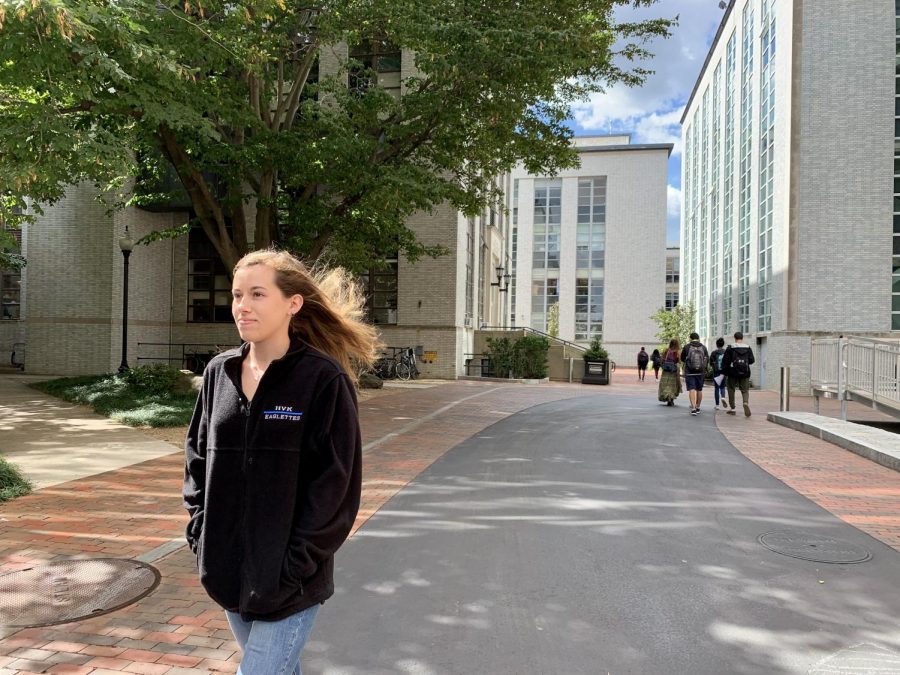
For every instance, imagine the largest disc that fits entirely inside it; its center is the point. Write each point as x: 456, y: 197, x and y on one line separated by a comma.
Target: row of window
x: 705, y: 149
x: 11, y: 287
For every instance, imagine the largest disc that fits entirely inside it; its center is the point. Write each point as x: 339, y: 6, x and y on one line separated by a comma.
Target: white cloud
x: 653, y: 111
x: 673, y: 201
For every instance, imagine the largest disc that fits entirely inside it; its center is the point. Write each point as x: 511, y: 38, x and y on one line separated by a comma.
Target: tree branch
x: 301, y: 75
x: 205, y: 205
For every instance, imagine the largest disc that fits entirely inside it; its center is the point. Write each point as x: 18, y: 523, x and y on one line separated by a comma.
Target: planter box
x: 596, y: 371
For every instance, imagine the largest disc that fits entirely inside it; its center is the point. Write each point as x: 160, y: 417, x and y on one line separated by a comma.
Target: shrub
x: 532, y: 359
x: 12, y: 483
x: 504, y: 357
x: 596, y: 352
x: 157, y: 379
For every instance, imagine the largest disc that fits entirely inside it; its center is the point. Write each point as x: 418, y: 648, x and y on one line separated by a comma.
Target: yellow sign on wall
x: 429, y: 357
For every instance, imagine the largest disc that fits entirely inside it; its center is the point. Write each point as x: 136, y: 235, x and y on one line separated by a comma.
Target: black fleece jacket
x: 272, y: 486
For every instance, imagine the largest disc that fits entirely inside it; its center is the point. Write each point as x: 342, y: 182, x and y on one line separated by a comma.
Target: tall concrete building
x: 592, y: 241
x: 787, y: 230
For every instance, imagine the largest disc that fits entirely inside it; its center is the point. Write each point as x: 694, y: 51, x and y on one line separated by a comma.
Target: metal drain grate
x: 69, y: 590
x: 814, y: 547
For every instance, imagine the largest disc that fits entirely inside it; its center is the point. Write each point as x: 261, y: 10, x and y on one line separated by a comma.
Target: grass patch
x: 12, y: 483
x: 142, y: 396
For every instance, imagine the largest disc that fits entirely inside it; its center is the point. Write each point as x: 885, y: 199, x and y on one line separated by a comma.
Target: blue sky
x: 652, y: 113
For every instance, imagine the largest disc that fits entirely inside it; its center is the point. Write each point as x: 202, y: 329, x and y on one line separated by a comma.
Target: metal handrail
x: 529, y: 329
x: 859, y: 367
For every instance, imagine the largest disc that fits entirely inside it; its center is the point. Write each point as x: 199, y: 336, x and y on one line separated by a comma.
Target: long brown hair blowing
x: 332, y: 317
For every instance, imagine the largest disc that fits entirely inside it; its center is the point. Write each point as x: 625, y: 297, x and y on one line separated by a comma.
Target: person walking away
x: 272, y: 474
x: 736, y: 365
x: 696, y: 360
x: 643, y: 358
x: 670, y: 383
x: 656, y: 360
x: 715, y: 360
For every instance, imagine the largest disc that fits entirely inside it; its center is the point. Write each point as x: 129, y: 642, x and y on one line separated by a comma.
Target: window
x: 745, y: 163
x: 380, y: 287
x: 590, y: 257
x: 10, y: 283
x: 545, y: 257
x: 766, y: 167
x: 470, y: 271
x: 671, y: 300
x: 514, y: 247
x: 209, y: 288
x: 378, y: 65
x: 729, y: 176
x: 672, y: 270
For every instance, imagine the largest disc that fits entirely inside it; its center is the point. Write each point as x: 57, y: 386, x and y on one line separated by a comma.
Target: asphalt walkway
x: 134, y: 511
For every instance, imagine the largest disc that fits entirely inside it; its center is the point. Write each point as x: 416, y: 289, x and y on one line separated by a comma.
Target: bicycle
x: 385, y: 367
x: 406, y: 366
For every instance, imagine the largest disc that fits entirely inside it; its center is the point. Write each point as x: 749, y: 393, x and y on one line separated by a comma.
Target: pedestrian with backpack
x: 736, y: 365
x: 643, y: 358
x: 656, y: 360
x: 695, y: 359
x: 715, y: 360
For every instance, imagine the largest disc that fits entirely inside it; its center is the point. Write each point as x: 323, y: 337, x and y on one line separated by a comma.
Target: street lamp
x: 503, y: 288
x: 125, y: 244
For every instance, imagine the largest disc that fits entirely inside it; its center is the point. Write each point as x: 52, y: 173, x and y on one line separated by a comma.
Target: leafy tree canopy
x: 267, y: 141
x: 677, y: 323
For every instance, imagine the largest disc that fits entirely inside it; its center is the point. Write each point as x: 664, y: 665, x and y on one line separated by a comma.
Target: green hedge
x: 525, y: 357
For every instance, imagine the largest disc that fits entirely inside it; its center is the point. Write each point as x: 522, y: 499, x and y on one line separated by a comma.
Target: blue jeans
x: 720, y: 391
x: 272, y: 647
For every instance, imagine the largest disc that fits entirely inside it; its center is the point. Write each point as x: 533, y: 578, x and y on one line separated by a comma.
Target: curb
x: 877, y: 445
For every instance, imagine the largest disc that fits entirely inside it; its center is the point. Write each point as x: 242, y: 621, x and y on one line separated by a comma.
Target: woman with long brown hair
x: 272, y: 476
x: 670, y: 382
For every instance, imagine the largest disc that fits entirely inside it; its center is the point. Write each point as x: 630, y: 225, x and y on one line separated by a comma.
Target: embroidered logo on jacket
x: 283, y: 412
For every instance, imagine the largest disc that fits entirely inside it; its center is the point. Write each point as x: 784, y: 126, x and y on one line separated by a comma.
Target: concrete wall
x: 845, y: 164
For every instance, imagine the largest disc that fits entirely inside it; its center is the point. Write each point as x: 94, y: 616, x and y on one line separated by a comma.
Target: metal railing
x: 529, y: 329
x: 857, y: 368
x: 191, y: 356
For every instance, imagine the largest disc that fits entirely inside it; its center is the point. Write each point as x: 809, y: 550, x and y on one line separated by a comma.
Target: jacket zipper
x: 245, y: 410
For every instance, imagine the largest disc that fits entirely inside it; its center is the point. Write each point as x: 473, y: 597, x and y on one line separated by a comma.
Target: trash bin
x: 596, y: 371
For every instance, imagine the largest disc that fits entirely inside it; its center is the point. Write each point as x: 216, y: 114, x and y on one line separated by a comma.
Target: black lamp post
x: 125, y: 244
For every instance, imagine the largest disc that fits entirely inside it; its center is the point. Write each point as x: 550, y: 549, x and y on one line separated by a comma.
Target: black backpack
x: 696, y: 359
x: 740, y: 362
x: 643, y: 358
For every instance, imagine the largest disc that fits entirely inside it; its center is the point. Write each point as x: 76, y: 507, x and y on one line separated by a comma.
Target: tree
x: 226, y: 92
x: 553, y: 320
x: 677, y: 323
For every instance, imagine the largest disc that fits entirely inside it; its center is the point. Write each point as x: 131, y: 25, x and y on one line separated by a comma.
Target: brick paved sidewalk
x: 178, y: 630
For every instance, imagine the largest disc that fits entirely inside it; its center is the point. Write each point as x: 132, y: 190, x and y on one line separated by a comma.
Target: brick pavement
x: 178, y: 630
x: 856, y: 490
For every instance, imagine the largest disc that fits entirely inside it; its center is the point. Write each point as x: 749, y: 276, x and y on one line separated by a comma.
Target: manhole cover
x: 815, y: 547
x: 69, y: 590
